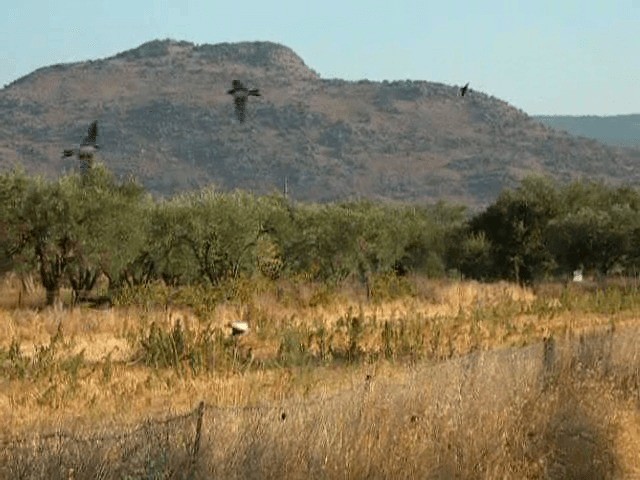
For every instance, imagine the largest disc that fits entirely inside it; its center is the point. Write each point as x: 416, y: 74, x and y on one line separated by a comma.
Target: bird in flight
x: 464, y: 89
x: 240, y: 94
x: 87, y: 148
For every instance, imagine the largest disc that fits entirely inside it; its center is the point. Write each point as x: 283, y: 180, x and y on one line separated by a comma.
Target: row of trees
x: 78, y: 228
x: 75, y: 229
x: 542, y: 229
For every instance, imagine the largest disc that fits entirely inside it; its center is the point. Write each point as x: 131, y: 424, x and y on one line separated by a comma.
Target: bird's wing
x: 92, y: 134
x: 255, y: 92
x: 67, y: 152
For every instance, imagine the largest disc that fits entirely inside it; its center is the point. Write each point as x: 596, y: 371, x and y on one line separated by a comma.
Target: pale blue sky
x: 545, y: 57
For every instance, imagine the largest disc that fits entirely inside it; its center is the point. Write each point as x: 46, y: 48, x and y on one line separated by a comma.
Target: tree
x: 594, y: 239
x: 471, y: 254
x: 217, y: 231
x: 429, y: 234
x: 75, y: 228
x: 13, y: 226
x: 515, y: 227
x: 110, y: 227
x: 49, y: 228
x: 339, y: 240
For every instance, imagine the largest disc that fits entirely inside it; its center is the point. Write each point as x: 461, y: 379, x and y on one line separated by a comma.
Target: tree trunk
x: 53, y: 295
x: 51, y: 271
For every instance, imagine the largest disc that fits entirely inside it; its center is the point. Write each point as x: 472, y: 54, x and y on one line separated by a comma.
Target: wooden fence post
x: 196, y: 441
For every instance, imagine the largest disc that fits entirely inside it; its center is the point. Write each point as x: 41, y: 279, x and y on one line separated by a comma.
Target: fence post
x: 549, y: 367
x: 196, y: 441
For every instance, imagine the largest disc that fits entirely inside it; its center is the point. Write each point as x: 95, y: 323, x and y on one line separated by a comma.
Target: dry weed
x: 452, y: 380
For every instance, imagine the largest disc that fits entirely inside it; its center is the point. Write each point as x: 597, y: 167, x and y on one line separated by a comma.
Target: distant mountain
x: 165, y: 117
x: 617, y: 130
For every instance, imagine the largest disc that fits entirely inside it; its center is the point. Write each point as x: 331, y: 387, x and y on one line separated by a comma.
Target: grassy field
x: 425, y: 379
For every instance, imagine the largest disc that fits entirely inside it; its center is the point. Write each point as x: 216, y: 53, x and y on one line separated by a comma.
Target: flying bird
x: 240, y: 94
x: 464, y: 89
x: 87, y: 148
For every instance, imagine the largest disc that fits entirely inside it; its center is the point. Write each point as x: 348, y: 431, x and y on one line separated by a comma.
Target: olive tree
x: 219, y: 231
x: 14, y: 186
x: 111, y: 220
x: 50, y: 232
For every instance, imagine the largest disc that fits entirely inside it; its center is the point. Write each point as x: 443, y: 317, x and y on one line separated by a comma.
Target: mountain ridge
x: 164, y: 116
x: 615, y: 130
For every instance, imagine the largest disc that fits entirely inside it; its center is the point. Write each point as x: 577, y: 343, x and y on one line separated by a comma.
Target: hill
x: 165, y: 117
x: 616, y: 130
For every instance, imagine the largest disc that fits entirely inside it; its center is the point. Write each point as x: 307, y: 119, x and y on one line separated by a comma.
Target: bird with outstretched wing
x: 92, y: 134
x: 88, y: 145
x: 240, y: 95
x: 87, y: 148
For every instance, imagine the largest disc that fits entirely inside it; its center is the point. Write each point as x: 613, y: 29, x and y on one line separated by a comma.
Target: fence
x: 124, y: 453
x: 175, y: 441
x: 141, y: 451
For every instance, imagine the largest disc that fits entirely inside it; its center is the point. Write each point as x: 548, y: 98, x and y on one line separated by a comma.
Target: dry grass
x: 447, y: 380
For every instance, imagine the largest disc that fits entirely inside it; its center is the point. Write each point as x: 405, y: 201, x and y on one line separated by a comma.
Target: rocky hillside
x: 165, y: 117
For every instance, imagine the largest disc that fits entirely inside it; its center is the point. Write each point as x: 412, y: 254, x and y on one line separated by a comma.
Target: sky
x: 545, y: 57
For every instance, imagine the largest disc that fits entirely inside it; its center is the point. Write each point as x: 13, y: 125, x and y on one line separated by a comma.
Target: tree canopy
x: 76, y: 229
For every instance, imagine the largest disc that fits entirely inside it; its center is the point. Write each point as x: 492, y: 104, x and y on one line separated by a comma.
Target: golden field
x: 426, y: 379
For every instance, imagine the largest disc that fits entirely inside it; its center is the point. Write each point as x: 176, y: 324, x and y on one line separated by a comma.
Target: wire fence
x: 121, y: 453
x: 180, y: 436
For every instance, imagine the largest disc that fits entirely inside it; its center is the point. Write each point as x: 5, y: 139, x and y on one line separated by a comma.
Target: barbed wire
x: 95, y: 437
